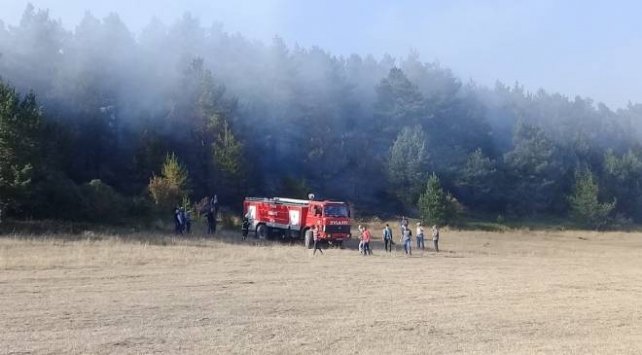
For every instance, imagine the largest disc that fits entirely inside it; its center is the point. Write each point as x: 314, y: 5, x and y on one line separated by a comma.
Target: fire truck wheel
x: 262, y: 231
x: 309, y: 243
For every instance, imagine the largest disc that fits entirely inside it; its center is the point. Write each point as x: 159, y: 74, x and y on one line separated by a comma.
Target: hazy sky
x: 588, y: 48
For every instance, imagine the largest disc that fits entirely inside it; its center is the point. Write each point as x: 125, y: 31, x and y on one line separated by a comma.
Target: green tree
x: 229, y: 160
x: 477, y: 181
x: 228, y: 152
x: 169, y: 189
x: 584, y: 204
x: 621, y: 179
x: 434, y: 203
x: 535, y: 170
x: 407, y: 163
x: 20, y: 125
x: 399, y: 104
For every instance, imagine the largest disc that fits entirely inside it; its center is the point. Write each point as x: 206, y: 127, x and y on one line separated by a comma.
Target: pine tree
x: 169, y: 189
x: 584, y: 204
x: 407, y: 163
x: 478, y: 182
x: 536, y: 171
x: 228, y: 152
x: 433, y: 203
x: 20, y: 124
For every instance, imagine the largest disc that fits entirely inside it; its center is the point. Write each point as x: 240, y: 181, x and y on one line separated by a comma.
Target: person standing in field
x: 315, y: 238
x: 407, y: 241
x: 178, y: 221
x: 181, y: 213
x: 214, y: 204
x: 245, y: 227
x: 435, y: 237
x: 188, y: 221
x: 387, y: 238
x: 420, y: 237
x: 366, y: 237
x: 360, y: 228
x: 403, y: 223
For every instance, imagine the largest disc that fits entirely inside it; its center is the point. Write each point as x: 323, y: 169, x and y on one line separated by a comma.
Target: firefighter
x: 245, y: 226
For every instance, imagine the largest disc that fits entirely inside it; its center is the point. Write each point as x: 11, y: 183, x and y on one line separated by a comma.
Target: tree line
x: 98, y: 124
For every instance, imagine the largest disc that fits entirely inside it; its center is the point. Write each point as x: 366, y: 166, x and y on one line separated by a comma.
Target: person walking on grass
x: 420, y: 237
x: 407, y: 241
x: 435, y: 237
x: 387, y: 238
x: 315, y: 238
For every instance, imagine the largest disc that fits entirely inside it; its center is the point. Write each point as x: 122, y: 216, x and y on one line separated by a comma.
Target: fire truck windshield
x: 335, y: 211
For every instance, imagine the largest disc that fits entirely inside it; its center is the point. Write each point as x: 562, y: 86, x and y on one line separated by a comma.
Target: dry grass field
x: 512, y: 292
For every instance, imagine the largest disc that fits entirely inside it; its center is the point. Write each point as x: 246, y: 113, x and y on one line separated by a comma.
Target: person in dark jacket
x: 178, y: 221
x: 387, y: 238
x: 183, y: 218
x: 211, y: 221
x: 245, y: 227
x: 188, y: 221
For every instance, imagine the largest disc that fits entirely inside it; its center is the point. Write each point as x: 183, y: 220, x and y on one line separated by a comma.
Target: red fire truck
x: 291, y: 218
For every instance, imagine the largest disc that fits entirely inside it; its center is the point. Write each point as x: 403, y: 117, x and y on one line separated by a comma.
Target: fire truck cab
x: 292, y: 218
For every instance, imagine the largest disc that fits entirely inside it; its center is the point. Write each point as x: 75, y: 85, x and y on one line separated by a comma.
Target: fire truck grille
x: 337, y: 229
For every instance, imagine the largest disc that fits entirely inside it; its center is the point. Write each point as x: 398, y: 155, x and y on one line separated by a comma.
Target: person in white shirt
x: 435, y: 237
x: 420, y: 237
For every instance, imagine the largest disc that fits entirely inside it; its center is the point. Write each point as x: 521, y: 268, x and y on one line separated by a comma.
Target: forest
x: 99, y: 124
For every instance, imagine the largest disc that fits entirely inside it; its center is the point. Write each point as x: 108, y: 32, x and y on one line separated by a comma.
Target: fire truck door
x: 251, y: 214
x: 295, y: 218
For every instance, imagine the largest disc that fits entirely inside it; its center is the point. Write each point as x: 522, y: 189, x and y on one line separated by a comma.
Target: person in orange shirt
x: 315, y: 236
x: 366, y: 237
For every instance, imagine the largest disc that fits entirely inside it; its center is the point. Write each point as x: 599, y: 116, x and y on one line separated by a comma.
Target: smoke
x: 302, y: 111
